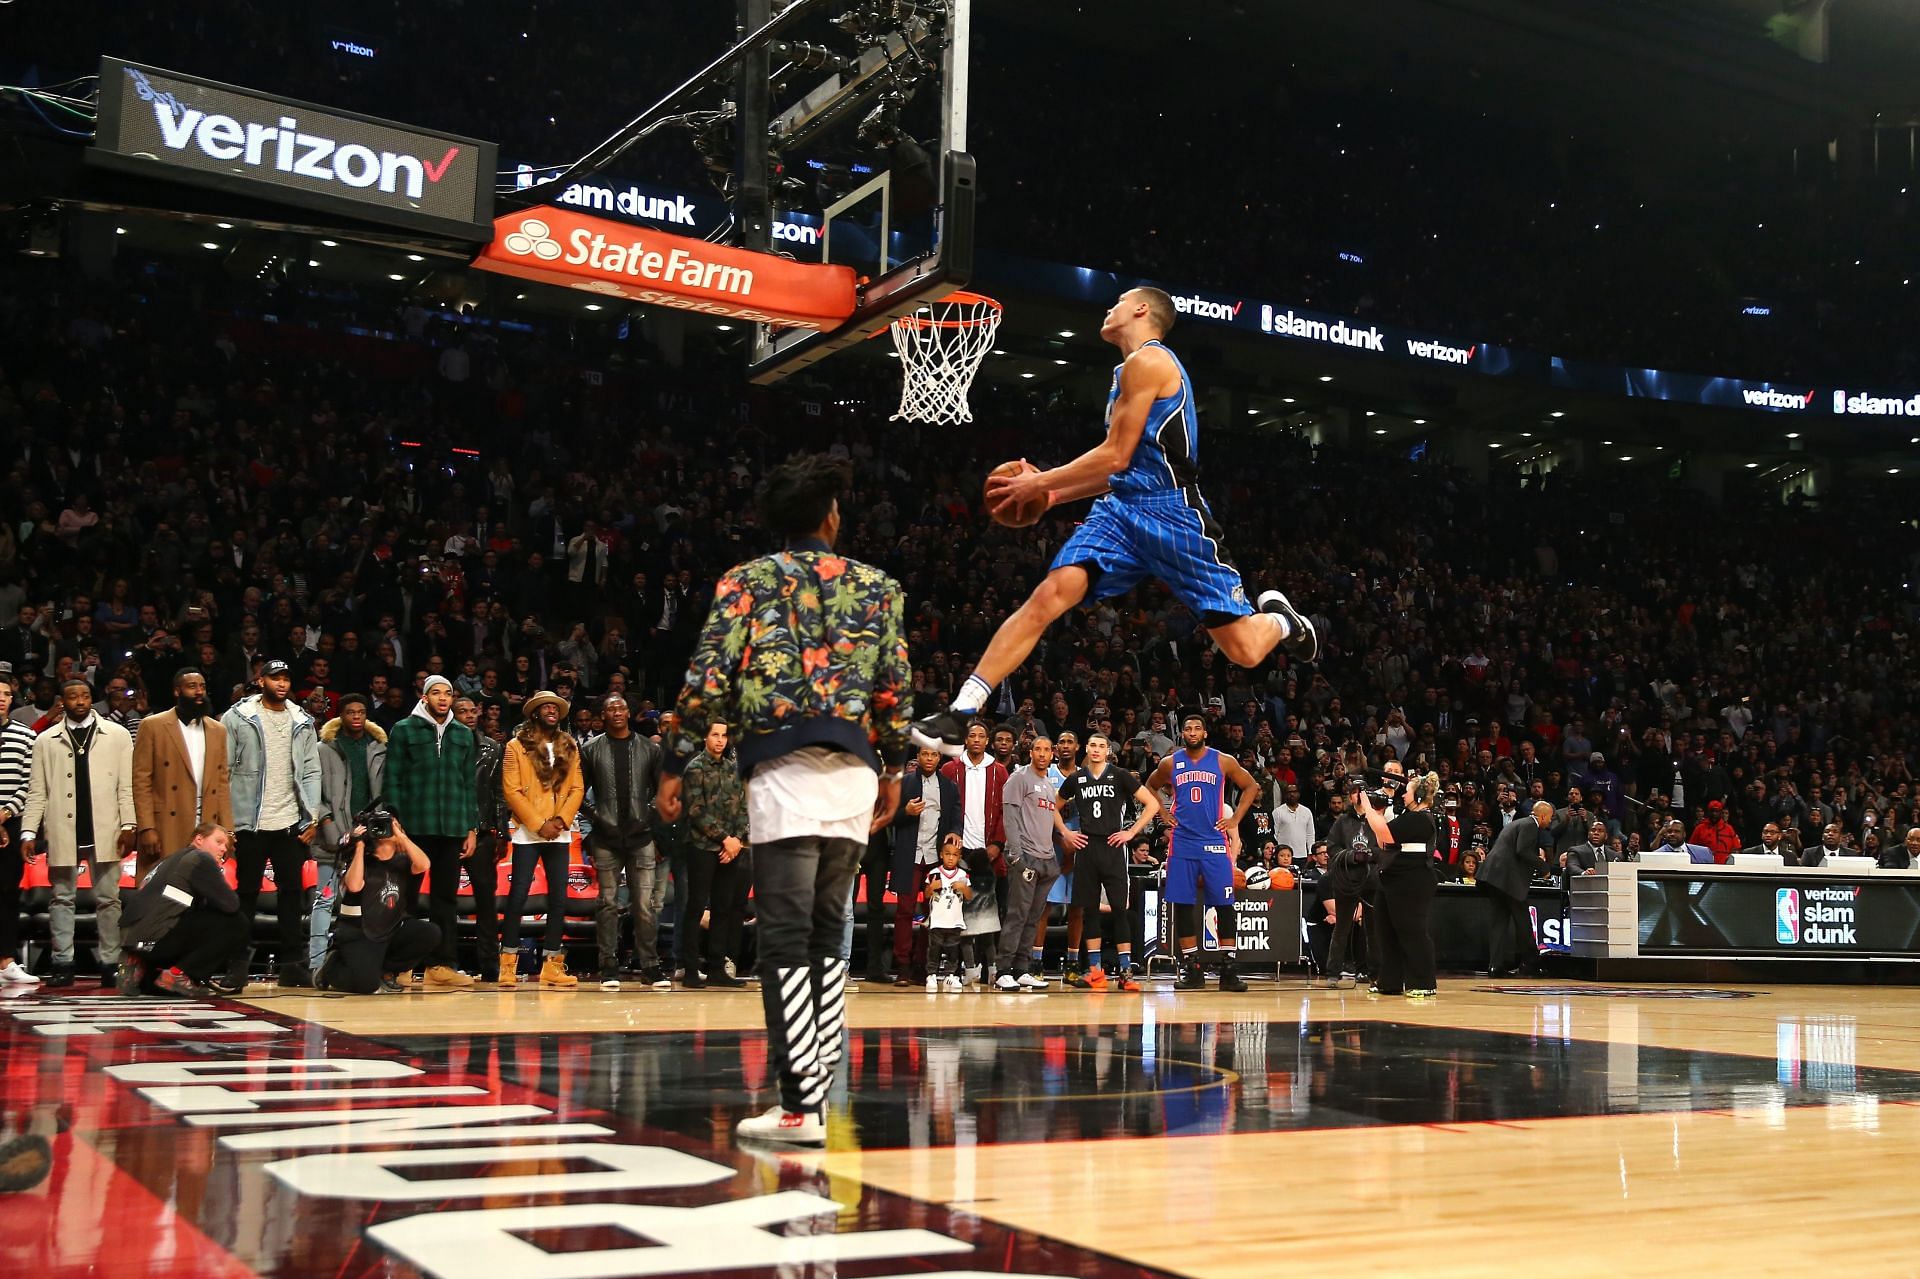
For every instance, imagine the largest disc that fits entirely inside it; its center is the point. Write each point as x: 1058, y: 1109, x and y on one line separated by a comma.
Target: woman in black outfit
x: 1407, y: 882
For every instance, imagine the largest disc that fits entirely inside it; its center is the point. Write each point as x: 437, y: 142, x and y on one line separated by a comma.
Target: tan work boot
x: 509, y: 970
x: 441, y: 977
x: 554, y: 973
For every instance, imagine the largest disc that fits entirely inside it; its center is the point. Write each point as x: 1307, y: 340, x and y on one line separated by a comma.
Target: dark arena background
x: 388, y: 398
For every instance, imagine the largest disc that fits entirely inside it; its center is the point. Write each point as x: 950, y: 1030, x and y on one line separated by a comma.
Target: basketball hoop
x: 941, y: 346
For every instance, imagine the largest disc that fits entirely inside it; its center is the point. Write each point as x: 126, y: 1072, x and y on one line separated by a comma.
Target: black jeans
x: 553, y: 857
x: 359, y: 962
x: 722, y: 890
x: 443, y: 892
x: 254, y: 849
x: 11, y: 868
x: 1504, y: 911
x: 481, y: 874
x: 800, y: 887
x: 1405, y: 933
x: 876, y: 867
x: 1338, y: 960
x: 202, y: 942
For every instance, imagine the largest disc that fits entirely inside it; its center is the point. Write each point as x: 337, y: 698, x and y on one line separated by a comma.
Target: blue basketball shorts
x: 1200, y: 878
x: 1162, y: 536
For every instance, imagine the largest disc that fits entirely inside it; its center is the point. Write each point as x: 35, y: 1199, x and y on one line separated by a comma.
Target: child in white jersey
x: 947, y: 888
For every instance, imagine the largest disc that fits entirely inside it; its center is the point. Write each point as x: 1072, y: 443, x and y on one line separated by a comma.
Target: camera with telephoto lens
x: 377, y: 818
x: 1379, y: 787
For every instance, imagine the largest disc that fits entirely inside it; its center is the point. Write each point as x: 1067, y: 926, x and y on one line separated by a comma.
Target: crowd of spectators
x: 187, y: 484
x: 1488, y: 227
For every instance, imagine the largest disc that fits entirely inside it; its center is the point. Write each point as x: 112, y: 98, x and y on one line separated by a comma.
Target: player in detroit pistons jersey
x: 1206, y: 841
x: 1151, y: 523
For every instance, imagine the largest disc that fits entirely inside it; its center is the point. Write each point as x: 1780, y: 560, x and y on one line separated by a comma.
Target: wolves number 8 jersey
x: 1167, y: 459
x: 1100, y: 802
x: 1199, y: 798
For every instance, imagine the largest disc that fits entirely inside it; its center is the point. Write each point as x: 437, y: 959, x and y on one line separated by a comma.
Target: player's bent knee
x: 1059, y: 592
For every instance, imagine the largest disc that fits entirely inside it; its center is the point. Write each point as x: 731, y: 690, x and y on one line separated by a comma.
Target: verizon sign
x: 1768, y: 398
x: 165, y: 124
x: 558, y: 246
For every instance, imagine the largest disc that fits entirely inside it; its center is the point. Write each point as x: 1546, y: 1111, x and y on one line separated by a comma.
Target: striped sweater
x: 16, y: 766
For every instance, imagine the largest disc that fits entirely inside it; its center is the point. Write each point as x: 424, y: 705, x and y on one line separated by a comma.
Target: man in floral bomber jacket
x: 804, y: 656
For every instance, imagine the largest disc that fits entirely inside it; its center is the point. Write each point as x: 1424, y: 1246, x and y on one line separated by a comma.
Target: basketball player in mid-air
x: 1151, y: 523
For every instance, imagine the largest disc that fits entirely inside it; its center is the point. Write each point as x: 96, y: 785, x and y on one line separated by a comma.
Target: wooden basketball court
x: 1506, y: 1128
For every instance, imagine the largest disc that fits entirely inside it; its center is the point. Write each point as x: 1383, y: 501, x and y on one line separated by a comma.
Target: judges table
x: 1847, y: 914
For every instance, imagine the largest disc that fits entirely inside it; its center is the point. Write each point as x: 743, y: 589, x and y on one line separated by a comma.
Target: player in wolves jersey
x: 1099, y: 795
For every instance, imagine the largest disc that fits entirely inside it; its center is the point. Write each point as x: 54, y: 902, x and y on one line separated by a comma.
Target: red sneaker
x: 1127, y: 983
x: 1096, y: 978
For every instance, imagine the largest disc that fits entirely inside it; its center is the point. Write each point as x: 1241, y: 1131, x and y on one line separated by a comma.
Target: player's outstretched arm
x: 1147, y: 375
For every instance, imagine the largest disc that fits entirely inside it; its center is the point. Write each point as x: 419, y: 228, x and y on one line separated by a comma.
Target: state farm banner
x: 552, y: 245
x: 186, y: 129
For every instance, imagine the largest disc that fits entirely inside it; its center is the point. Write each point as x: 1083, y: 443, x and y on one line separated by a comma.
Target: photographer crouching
x: 183, y: 926
x: 373, y: 936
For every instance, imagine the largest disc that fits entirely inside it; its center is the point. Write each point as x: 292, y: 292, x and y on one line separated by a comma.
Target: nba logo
x: 1786, y: 916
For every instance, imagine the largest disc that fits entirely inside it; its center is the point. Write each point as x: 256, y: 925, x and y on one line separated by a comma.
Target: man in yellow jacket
x: 542, y: 779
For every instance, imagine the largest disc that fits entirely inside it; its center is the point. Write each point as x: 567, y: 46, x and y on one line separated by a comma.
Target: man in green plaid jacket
x: 429, y: 783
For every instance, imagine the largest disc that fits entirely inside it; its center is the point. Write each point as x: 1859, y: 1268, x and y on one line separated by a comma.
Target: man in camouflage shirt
x: 718, y: 865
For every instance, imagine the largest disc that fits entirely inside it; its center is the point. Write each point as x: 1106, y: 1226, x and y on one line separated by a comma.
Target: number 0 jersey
x: 1199, y: 798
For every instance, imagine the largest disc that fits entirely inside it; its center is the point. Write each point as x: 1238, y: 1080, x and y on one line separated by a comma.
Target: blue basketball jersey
x: 1199, y: 798
x: 1167, y: 459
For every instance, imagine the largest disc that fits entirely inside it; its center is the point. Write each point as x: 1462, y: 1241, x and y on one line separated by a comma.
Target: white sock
x: 1286, y: 627
x: 973, y: 695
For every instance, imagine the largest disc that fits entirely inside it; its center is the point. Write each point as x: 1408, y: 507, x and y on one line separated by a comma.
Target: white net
x: 941, y: 346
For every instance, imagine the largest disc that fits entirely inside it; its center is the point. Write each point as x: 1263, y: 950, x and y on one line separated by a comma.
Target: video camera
x: 377, y: 818
x: 1381, y: 788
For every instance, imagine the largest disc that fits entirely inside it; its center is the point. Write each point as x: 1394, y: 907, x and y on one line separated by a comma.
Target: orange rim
x: 916, y: 320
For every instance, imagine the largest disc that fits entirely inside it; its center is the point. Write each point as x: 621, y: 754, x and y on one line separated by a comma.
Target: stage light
x: 1326, y: 378
x: 208, y: 244
x: 330, y: 244
x: 415, y: 257
x: 591, y: 306
x: 395, y: 276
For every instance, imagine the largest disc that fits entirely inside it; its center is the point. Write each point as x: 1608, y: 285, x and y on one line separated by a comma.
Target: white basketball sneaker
x: 789, y: 1127
x: 14, y: 975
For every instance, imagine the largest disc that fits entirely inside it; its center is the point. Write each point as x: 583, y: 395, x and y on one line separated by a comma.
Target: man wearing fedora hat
x: 542, y: 778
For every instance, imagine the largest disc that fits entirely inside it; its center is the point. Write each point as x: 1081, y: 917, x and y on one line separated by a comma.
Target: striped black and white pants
x: 800, y: 889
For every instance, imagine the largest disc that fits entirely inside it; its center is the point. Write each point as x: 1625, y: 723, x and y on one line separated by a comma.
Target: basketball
x: 1239, y: 880
x: 1280, y: 880
x: 1016, y: 516
x: 1257, y: 878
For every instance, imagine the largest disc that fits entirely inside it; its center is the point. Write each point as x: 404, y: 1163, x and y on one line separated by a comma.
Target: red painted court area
x: 208, y: 1139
